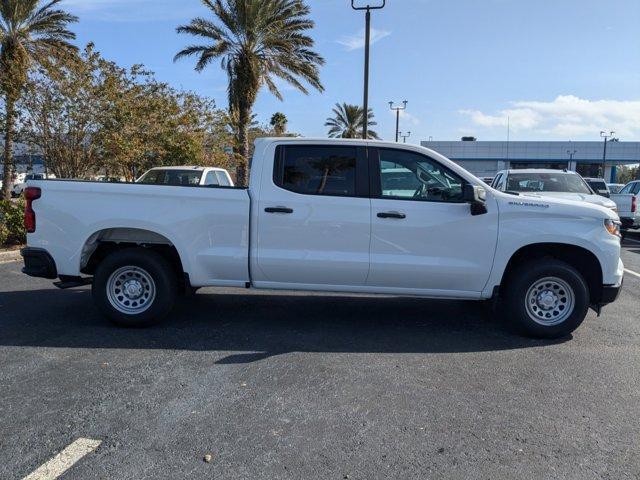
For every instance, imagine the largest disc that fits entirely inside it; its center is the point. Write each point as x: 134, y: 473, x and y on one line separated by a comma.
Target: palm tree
x: 258, y: 41
x: 347, y: 122
x: 31, y: 32
x: 279, y: 123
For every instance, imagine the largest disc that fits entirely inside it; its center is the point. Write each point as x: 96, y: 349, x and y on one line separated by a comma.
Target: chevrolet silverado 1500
x: 329, y: 215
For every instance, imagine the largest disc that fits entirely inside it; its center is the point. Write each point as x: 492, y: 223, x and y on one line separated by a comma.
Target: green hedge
x: 12, y: 230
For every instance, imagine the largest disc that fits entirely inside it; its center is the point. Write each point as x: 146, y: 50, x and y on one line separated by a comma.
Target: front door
x: 314, y: 218
x: 423, y: 236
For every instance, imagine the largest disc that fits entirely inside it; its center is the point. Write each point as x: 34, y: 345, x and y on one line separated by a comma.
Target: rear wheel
x: 546, y: 298
x: 134, y: 287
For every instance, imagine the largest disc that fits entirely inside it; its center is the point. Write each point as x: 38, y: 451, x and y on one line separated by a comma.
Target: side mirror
x: 476, y: 197
x: 474, y: 194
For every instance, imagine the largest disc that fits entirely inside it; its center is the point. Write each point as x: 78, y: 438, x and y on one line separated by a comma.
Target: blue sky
x: 558, y: 69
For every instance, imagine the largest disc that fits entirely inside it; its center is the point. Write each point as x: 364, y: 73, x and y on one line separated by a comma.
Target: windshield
x: 171, y: 177
x: 597, y: 185
x: 547, y: 182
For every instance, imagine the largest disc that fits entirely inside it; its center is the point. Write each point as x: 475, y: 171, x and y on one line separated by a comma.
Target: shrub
x: 4, y: 234
x: 12, y: 230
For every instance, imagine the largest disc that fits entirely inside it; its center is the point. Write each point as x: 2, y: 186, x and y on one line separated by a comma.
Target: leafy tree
x: 279, y: 123
x: 147, y: 123
x: 92, y: 116
x: 61, y: 114
x: 627, y: 173
x: 31, y: 32
x: 257, y: 42
x: 347, y: 122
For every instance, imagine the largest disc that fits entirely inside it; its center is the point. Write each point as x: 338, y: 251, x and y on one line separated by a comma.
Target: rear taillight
x: 634, y: 204
x: 30, y: 194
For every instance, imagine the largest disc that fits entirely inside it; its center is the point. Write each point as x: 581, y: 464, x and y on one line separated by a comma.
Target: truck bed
x: 208, y: 226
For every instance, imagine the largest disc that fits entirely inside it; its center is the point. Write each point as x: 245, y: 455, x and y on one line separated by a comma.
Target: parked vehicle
x: 598, y: 185
x: 330, y: 215
x: 191, y: 176
x: 109, y: 179
x: 23, y: 178
x: 551, y: 184
x: 615, y: 187
x: 627, y: 202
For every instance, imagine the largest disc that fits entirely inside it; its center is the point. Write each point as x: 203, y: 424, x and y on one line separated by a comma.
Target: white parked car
x: 22, y: 179
x: 551, y: 184
x: 193, y: 176
x: 330, y: 215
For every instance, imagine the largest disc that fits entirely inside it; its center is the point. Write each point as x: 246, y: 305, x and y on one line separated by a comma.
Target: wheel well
x: 103, y: 243
x: 579, y: 258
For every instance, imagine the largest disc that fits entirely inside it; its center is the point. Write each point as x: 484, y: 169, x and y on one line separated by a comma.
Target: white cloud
x: 406, y: 118
x: 567, y: 116
x: 356, y: 41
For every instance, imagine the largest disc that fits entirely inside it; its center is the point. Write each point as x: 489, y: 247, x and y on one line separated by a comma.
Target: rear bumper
x: 38, y: 263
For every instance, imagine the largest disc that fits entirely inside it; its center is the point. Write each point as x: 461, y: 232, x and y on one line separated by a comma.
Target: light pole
x: 571, y: 154
x: 404, y: 137
x: 606, y: 137
x: 398, y: 110
x: 365, y: 103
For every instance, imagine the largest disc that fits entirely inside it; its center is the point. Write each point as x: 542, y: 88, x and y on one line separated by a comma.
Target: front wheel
x: 546, y: 298
x: 134, y: 287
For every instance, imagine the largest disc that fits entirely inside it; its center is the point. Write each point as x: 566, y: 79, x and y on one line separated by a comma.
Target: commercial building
x: 485, y: 159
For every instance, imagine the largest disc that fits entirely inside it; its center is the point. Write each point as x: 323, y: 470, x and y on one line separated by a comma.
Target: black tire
x: 520, y: 285
x: 157, y: 275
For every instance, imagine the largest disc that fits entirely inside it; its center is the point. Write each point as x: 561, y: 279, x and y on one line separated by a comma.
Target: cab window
x: 407, y: 175
x: 211, y: 179
x: 317, y: 170
x: 223, y: 179
x: 496, y: 181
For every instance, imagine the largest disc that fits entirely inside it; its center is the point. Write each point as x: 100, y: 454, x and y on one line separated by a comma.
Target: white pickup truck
x: 329, y: 215
x: 627, y: 203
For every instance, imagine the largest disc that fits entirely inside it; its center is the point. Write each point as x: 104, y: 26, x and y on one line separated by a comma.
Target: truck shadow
x: 259, y: 325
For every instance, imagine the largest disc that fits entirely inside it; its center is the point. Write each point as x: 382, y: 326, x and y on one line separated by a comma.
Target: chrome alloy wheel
x: 131, y: 290
x: 550, y: 301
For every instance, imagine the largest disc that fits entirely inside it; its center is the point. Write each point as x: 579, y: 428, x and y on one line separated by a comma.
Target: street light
x: 606, y: 137
x: 398, y: 110
x: 571, y: 153
x: 404, y: 137
x: 367, y: 41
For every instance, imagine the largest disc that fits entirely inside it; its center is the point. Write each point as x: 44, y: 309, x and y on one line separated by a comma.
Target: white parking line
x: 631, y: 272
x: 63, y: 461
x: 627, y: 239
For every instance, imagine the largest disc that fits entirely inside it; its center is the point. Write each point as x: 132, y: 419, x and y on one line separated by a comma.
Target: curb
x: 10, y: 256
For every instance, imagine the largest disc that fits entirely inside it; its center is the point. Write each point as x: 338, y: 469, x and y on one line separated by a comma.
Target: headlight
x: 612, y: 227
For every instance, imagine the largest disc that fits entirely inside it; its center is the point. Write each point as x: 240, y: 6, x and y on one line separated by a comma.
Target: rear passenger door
x: 314, y: 218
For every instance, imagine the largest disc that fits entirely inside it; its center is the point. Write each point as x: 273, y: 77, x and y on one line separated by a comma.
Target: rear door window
x: 317, y: 170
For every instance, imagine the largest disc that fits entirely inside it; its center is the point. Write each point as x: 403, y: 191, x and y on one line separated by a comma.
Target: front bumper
x: 610, y: 293
x: 38, y: 263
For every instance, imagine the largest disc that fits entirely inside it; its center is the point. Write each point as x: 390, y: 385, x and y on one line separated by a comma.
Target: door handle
x: 278, y: 210
x: 391, y: 215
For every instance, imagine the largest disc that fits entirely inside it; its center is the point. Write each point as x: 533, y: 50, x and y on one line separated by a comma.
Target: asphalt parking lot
x: 286, y: 385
